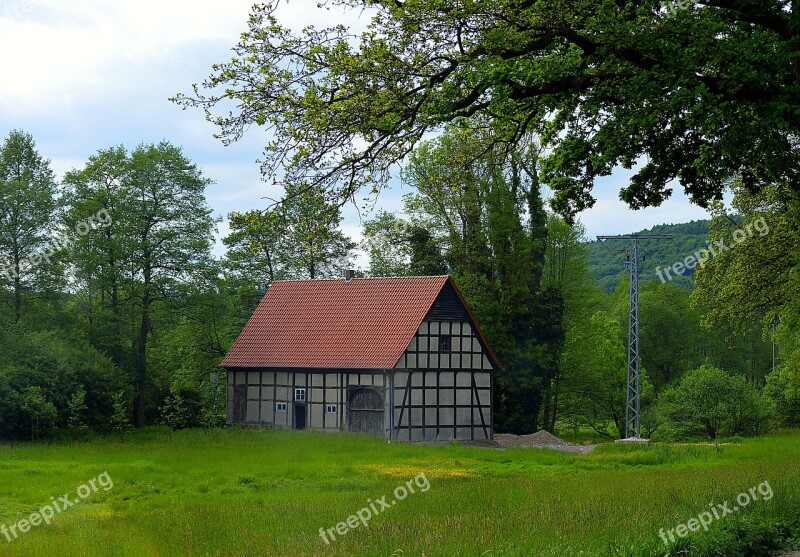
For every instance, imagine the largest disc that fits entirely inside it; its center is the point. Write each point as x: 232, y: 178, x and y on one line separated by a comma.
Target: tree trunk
x: 17, y: 289
x: 115, y: 305
x: 140, y: 381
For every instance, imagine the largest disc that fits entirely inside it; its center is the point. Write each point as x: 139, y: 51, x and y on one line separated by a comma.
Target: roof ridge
x: 338, y: 279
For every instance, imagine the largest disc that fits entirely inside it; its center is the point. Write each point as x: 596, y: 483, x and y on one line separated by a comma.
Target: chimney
x: 349, y: 275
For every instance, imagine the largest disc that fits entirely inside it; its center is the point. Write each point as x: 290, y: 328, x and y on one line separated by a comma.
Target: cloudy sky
x: 81, y: 75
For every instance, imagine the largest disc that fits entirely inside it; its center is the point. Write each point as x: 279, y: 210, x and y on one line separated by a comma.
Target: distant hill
x: 607, y: 259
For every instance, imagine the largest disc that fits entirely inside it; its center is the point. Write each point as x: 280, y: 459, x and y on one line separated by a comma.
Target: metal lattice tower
x: 634, y: 384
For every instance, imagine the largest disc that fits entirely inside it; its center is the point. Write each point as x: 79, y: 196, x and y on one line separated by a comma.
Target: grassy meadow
x: 263, y: 492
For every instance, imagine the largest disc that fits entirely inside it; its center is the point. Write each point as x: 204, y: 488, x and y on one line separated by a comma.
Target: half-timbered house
x: 400, y: 357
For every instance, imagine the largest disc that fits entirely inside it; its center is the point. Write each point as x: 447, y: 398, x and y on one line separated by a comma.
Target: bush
x: 709, y: 402
x: 183, y: 407
x: 121, y: 418
x: 60, y: 369
x: 76, y: 408
x: 38, y: 414
x: 213, y: 414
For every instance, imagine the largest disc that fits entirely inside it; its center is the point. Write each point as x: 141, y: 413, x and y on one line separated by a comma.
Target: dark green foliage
x: 757, y: 281
x: 479, y: 213
x: 674, y: 338
x: 748, y: 536
x: 143, y: 290
x: 150, y: 314
x: 426, y: 253
x: 593, y: 383
x: 183, y: 407
x: 58, y: 368
x: 213, y: 402
x: 783, y: 393
x: 159, y: 235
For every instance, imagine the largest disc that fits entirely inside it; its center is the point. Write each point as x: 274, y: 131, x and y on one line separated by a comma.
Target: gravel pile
x: 542, y: 440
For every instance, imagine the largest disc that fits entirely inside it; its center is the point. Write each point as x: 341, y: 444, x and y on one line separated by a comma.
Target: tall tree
x: 170, y: 227
x: 566, y: 274
x: 753, y: 271
x: 596, y: 368
x: 397, y: 247
x: 386, y: 242
x: 607, y: 84
x: 426, y: 253
x: 99, y: 260
x: 756, y: 277
x: 27, y: 215
x: 479, y: 204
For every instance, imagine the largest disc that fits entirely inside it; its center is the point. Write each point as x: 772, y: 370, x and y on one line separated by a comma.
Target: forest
x: 116, y: 313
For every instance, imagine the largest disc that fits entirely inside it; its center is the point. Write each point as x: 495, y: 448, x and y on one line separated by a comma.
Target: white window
x: 300, y: 395
x: 330, y: 409
x: 280, y: 407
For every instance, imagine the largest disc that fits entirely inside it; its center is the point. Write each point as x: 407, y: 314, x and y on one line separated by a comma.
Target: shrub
x: 709, y: 402
x: 183, y: 406
x: 38, y: 414
x: 121, y: 417
x: 213, y: 414
x: 76, y: 408
x: 61, y: 369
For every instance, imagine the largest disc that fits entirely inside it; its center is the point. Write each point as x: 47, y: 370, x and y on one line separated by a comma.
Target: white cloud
x: 61, y: 52
x: 58, y: 52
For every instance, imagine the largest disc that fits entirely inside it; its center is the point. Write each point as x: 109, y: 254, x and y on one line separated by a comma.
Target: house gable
x: 448, y: 338
x: 448, y: 306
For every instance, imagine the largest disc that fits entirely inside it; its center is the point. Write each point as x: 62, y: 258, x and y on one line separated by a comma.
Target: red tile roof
x: 362, y: 324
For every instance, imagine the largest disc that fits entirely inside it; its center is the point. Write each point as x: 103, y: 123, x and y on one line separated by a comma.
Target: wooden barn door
x: 365, y: 411
x: 239, y: 404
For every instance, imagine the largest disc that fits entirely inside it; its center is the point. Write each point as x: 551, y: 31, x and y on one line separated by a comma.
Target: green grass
x: 250, y: 492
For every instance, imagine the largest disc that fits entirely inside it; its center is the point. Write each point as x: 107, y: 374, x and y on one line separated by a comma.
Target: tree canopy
x: 27, y: 210
x: 297, y: 238
x: 702, y: 94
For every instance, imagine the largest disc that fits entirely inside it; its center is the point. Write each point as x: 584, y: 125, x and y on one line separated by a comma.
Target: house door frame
x: 300, y: 416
